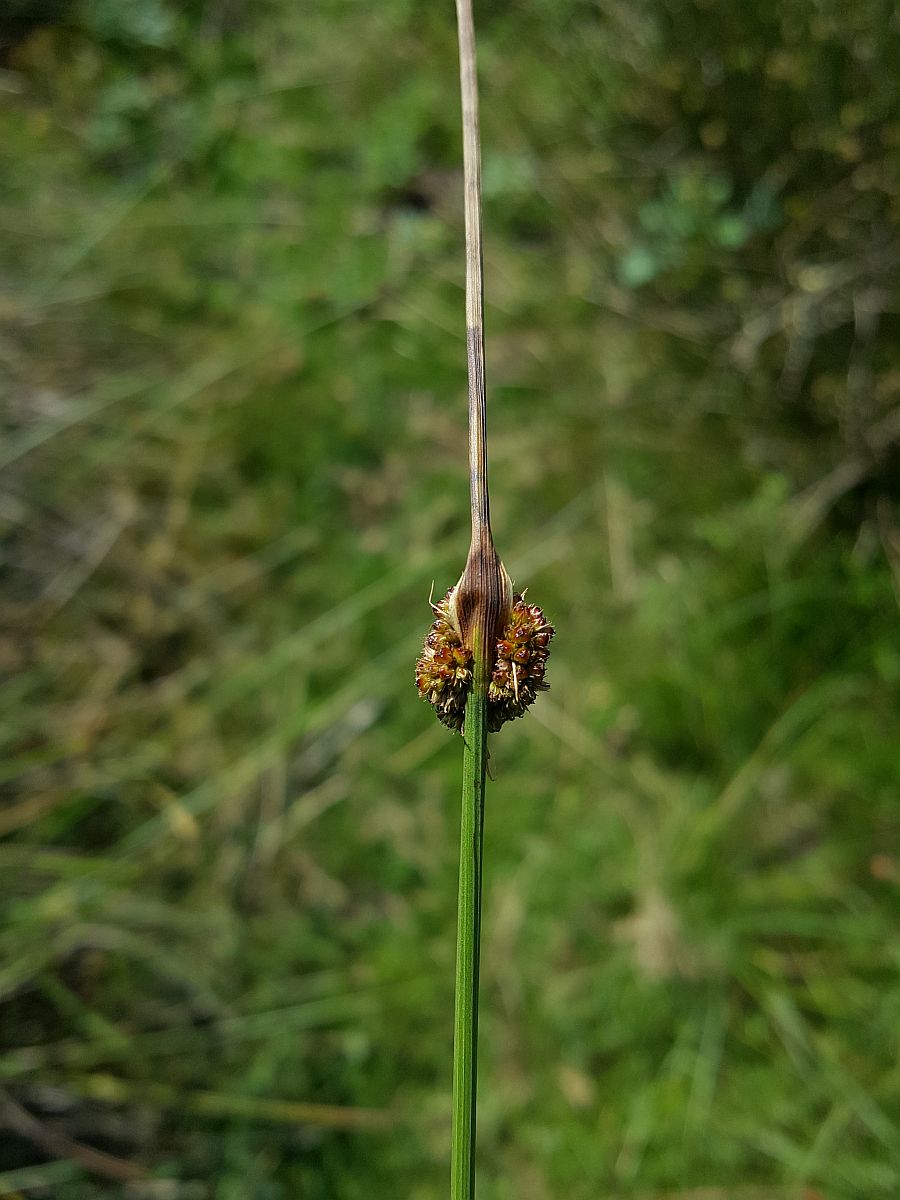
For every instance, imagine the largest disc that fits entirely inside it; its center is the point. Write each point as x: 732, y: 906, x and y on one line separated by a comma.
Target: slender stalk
x: 482, y: 600
x: 468, y: 81
x: 480, y: 603
x: 468, y: 945
x: 475, y: 653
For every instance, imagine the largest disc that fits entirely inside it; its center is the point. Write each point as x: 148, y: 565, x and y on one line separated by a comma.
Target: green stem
x: 468, y: 942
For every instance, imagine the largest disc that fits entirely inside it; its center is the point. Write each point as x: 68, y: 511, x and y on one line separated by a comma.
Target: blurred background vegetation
x: 233, y: 376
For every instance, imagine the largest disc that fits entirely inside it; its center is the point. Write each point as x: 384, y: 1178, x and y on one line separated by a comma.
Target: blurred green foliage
x: 232, y: 358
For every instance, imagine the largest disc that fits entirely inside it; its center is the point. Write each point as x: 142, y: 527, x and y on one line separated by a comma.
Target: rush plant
x: 484, y: 658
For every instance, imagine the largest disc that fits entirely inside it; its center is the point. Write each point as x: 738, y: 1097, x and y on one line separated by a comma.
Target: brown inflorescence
x: 520, y: 662
x: 444, y: 668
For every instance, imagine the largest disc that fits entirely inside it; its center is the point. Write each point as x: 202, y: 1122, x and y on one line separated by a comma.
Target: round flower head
x: 444, y: 668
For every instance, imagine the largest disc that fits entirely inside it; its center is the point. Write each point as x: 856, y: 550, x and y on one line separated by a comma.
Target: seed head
x: 519, y: 664
x: 444, y: 669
